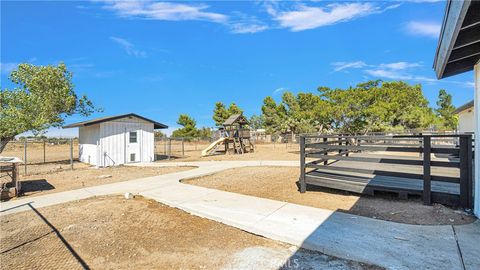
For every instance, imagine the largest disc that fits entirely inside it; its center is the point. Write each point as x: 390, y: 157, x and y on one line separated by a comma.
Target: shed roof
x: 236, y: 118
x: 156, y: 125
x: 464, y: 107
x: 458, y: 48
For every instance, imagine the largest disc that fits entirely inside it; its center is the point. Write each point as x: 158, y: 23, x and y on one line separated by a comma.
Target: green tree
x: 205, y: 132
x: 446, y: 111
x: 273, y: 115
x: 257, y: 122
x: 188, y: 130
x: 43, y: 96
x: 220, y: 113
x: 159, y: 135
x: 375, y: 106
x: 234, y: 109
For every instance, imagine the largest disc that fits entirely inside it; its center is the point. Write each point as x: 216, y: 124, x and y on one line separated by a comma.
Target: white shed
x: 115, y: 140
x: 466, y: 118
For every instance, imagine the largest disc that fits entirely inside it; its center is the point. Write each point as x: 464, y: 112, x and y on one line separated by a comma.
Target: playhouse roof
x: 236, y: 119
x: 156, y: 125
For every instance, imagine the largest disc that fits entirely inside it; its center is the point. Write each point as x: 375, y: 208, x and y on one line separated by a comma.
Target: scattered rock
x: 104, y: 176
x: 128, y: 195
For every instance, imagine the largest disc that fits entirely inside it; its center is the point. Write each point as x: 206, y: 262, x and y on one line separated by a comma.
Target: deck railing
x: 318, y: 152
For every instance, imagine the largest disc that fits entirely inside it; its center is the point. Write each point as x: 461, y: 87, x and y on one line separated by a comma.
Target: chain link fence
x: 44, y: 155
x: 174, y: 148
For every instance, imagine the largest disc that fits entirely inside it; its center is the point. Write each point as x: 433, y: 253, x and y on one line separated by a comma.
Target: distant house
x: 466, y: 120
x: 116, y: 140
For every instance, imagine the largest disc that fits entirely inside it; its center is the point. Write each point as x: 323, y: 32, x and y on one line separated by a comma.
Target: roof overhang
x: 458, y: 47
x: 466, y: 106
x: 156, y: 125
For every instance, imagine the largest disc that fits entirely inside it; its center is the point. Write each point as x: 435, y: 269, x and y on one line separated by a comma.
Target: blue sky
x: 160, y: 59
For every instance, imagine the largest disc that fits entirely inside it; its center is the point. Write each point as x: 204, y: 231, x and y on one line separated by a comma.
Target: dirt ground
x: 279, y: 183
x: 62, y: 180
x: 114, y: 233
x: 278, y: 151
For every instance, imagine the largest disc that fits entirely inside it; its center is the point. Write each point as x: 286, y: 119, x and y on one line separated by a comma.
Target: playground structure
x: 235, y: 137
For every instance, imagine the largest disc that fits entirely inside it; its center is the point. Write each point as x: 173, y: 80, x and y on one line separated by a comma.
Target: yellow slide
x: 207, y: 150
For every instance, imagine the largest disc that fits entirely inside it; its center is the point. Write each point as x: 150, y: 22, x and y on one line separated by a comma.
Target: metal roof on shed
x: 156, y: 125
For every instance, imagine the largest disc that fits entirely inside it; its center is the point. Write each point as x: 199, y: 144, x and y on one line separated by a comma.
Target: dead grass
x: 279, y: 183
x: 114, y: 233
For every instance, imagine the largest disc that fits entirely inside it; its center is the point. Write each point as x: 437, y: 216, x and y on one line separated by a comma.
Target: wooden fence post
x: 325, y: 139
x: 71, y: 153
x: 25, y: 155
x: 427, y: 184
x: 44, y: 151
x: 466, y: 171
x: 15, y: 179
x: 303, y: 185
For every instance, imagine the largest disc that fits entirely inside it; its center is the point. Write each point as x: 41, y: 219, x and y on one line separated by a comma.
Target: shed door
x: 133, y: 145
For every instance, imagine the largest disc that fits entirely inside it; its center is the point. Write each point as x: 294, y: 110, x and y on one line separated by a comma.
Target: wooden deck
x: 437, y: 172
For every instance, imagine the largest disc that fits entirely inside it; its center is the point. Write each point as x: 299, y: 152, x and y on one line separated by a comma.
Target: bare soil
x: 280, y: 183
x: 114, y: 233
x: 85, y: 176
x: 270, y: 151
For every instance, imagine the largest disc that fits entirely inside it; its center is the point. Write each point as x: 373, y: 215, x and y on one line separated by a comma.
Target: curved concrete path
x: 388, y: 244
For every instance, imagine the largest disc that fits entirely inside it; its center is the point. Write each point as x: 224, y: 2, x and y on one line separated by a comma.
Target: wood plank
x: 385, y: 182
x: 370, y: 148
x: 439, y: 178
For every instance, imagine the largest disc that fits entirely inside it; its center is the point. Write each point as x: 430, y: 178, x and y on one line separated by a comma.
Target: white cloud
x: 308, y: 17
x: 428, y: 29
x: 7, y: 68
x: 338, y: 66
x: 279, y: 90
x: 394, y: 71
x: 129, y: 47
x: 399, y: 65
x: 241, y: 23
x: 389, y: 74
x: 237, y: 23
x: 167, y: 11
x: 242, y: 28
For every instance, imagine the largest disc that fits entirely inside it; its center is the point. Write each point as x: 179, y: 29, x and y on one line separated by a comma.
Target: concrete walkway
x: 383, y: 243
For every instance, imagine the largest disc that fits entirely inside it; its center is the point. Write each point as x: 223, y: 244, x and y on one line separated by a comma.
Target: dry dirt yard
x: 114, y: 233
x: 279, y: 151
x: 279, y: 183
x: 85, y: 176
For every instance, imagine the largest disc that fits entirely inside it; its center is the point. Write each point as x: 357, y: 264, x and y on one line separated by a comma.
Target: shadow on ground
x: 36, y: 185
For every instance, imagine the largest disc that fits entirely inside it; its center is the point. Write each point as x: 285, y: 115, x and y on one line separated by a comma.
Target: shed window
x: 133, y: 136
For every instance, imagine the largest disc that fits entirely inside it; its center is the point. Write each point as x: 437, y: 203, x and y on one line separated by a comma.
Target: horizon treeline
x: 373, y: 106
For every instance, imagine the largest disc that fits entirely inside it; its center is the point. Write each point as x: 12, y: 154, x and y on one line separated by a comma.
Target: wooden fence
x: 365, y: 164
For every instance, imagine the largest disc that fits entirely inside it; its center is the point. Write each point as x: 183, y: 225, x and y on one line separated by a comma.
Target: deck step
x: 367, y: 184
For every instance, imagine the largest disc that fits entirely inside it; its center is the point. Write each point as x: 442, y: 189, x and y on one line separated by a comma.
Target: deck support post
x: 303, y: 184
x: 427, y: 184
x: 326, y: 152
x: 476, y: 194
x: 466, y: 171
